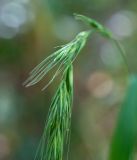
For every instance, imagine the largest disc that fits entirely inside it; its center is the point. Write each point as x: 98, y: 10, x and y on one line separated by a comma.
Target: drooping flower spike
x: 57, y: 128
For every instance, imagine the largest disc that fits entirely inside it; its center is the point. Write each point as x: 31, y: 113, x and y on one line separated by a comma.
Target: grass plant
x: 57, y: 129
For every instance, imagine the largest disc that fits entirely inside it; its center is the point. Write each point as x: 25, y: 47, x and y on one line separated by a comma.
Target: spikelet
x: 60, y: 59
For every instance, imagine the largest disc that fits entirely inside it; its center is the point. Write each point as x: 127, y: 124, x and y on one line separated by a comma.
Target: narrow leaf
x: 125, y: 135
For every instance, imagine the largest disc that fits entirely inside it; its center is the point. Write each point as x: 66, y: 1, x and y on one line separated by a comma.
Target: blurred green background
x: 29, y: 32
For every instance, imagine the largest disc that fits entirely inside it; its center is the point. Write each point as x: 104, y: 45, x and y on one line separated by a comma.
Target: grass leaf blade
x: 123, y: 141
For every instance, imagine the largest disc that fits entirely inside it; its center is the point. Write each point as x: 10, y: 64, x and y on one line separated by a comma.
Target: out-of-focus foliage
x: 29, y: 29
x: 124, y: 139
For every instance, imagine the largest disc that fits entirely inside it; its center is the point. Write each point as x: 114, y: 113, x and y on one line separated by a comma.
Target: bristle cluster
x: 60, y: 59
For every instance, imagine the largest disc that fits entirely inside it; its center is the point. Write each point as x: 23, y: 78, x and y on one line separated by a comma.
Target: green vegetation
x: 124, y: 139
x: 57, y: 130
